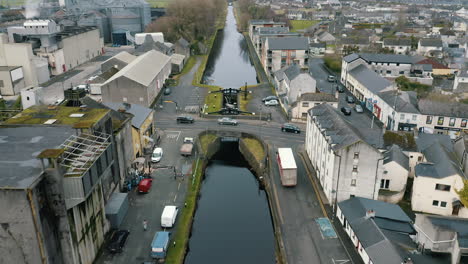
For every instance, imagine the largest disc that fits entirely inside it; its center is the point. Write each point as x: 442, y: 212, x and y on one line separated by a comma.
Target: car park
x: 157, y: 155
x: 185, y: 119
x: 269, y: 98
x: 117, y: 241
x: 331, y: 78
x: 358, y: 108
x: 271, y: 103
x: 350, y: 99
x: 346, y: 110
x: 290, y: 128
x: 227, y: 121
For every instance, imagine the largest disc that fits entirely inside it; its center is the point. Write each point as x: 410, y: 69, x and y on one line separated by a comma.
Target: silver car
x: 227, y: 121
x: 358, y: 108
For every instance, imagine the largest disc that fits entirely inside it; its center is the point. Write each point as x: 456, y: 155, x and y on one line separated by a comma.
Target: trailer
x: 187, y: 146
x: 287, y: 166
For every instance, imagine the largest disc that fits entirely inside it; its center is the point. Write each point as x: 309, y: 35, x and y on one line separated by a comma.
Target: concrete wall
x: 81, y: 48
x: 433, y: 237
x: 10, y: 88
x: 125, y: 90
x: 124, y: 148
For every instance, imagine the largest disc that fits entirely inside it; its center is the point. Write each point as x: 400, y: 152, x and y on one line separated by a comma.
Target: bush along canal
x: 232, y: 222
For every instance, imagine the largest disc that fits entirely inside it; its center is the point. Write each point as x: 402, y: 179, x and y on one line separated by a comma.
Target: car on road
x: 269, y: 98
x: 167, y: 91
x: 185, y: 119
x: 331, y: 78
x: 117, y: 241
x: 227, y: 121
x: 290, y: 128
x: 157, y: 155
x: 271, y: 103
x: 346, y: 110
x: 340, y: 89
x: 350, y: 99
x: 144, y: 185
x: 358, y: 108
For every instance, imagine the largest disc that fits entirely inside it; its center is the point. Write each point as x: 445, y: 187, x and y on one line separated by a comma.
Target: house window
x: 354, y: 168
x: 440, y: 121
x: 293, y: 54
x: 1, y: 83
x: 27, y: 98
x: 398, y: 64
x: 442, y: 187
x: 463, y: 122
x: 428, y: 119
x: 435, y: 203
x: 353, y: 182
x: 419, y: 158
x: 443, y: 204
x: 402, y: 116
x: 401, y: 72
x: 384, y: 183
x: 283, y: 53
x: 389, y: 72
x: 415, y: 117
x: 124, y: 99
x: 304, y: 115
x: 452, y: 121
x: 141, y: 99
x: 356, y: 155
x: 305, y: 104
x: 352, y: 196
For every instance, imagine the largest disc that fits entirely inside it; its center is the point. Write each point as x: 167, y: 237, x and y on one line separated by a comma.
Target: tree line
x: 249, y: 10
x: 194, y: 20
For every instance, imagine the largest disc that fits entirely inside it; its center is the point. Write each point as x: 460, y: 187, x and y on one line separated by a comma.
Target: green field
x: 158, y: 3
x: 12, y: 3
x: 301, y: 24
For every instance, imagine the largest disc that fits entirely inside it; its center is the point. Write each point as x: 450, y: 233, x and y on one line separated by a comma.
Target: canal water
x: 232, y: 222
x: 229, y: 64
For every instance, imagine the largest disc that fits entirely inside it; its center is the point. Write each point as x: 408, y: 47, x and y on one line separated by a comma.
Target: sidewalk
x: 345, y: 240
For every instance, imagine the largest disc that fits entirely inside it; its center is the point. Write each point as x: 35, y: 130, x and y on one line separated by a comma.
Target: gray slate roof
x: 385, y: 58
x: 370, y: 231
x: 183, y: 42
x: 404, y: 101
x: 292, y: 71
x: 318, y: 45
x: 20, y: 146
x: 448, y: 109
x: 431, y: 42
x: 272, y: 30
x: 396, y: 154
x: 397, y: 42
x: 369, y: 79
x: 139, y: 112
x: 355, y: 41
x: 288, y: 43
x: 264, y: 21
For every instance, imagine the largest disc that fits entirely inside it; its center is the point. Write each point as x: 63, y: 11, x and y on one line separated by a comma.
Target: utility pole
x: 245, y: 91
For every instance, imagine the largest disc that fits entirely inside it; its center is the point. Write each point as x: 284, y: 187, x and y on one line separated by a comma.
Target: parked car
x: 331, y: 78
x: 167, y: 91
x: 117, y: 241
x: 145, y: 185
x: 185, y: 119
x: 227, y: 121
x: 157, y: 155
x: 290, y: 128
x: 346, y: 110
x: 269, y: 98
x: 358, y: 108
x: 271, y: 103
x: 340, y: 89
x: 350, y: 99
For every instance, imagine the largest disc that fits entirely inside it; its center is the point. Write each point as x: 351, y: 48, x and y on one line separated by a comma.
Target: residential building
x: 380, y: 231
x: 299, y: 108
x: 443, y: 234
x: 443, y: 117
x: 395, y: 175
x: 326, y: 37
x: 461, y: 81
x: 437, y: 67
x: 63, y: 186
x: 256, y: 24
x: 143, y: 129
x: 389, y: 66
x: 317, y: 48
x: 140, y: 81
x: 460, y: 145
x: 296, y: 14
x: 347, y: 163
x: 427, y: 45
x: 361, y: 43
x: 398, y: 110
x: 399, y: 46
x: 261, y: 34
x: 11, y: 80
x: 280, y: 52
x: 438, y: 176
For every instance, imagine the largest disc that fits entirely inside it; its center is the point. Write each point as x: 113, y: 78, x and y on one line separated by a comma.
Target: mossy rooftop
x: 61, y: 114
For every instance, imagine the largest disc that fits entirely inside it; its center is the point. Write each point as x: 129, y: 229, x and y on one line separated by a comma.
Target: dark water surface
x: 233, y: 222
x: 229, y: 63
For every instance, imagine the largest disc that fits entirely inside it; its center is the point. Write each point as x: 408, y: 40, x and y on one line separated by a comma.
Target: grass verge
x: 206, y: 140
x: 301, y: 24
x: 255, y: 147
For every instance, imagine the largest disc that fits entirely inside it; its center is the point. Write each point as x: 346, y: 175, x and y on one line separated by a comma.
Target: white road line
x: 178, y: 187
x: 175, y: 197
x: 173, y: 132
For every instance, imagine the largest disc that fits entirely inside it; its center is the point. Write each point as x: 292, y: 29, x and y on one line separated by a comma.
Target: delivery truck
x: 187, y: 147
x: 159, y: 245
x: 168, y: 216
x: 287, y: 167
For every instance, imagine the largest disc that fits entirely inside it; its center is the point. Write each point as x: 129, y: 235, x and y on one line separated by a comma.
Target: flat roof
x: 41, y: 114
x: 20, y: 145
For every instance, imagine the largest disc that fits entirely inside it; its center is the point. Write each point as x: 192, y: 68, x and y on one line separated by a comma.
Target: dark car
x: 185, y: 119
x: 167, y: 91
x: 340, y: 89
x: 290, y: 128
x: 117, y: 241
x: 346, y: 110
x: 269, y: 98
x: 350, y: 99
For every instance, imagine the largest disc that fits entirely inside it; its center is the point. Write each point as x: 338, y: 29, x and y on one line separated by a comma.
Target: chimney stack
x: 370, y: 213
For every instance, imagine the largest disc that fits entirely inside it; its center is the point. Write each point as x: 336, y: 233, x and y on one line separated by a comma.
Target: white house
x: 437, y: 177
x: 299, y: 109
x: 395, y: 175
x: 347, y: 163
x: 398, y: 110
x: 443, y: 117
x: 461, y: 81
x: 399, y: 46
x: 429, y: 45
x: 379, y: 231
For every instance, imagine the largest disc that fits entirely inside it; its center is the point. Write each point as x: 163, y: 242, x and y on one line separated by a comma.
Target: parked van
x: 159, y: 245
x: 169, y: 216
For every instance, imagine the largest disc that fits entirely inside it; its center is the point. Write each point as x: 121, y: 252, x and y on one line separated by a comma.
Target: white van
x: 169, y: 216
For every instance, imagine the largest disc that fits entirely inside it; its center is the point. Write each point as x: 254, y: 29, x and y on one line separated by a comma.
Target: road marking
x: 326, y: 228
x: 175, y: 197
x: 173, y: 134
x: 178, y: 187
x: 341, y: 261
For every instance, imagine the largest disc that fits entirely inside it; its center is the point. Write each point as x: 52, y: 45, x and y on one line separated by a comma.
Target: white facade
x: 300, y: 109
x: 394, y: 177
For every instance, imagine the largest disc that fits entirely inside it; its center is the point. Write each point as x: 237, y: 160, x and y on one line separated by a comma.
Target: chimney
x: 370, y: 214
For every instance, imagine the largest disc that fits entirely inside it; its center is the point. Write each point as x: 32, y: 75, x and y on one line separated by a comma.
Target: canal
x: 229, y: 64
x: 232, y: 222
